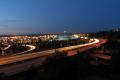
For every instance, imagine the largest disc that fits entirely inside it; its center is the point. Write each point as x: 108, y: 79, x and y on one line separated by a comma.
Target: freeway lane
x: 103, y: 56
x: 17, y: 58
x: 31, y: 47
x: 87, y: 47
x: 25, y: 61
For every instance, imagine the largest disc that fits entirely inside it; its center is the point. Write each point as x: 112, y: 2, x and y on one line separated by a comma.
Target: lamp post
x: 3, y: 53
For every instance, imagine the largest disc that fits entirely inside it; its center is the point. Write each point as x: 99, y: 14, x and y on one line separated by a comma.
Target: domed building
x: 65, y: 36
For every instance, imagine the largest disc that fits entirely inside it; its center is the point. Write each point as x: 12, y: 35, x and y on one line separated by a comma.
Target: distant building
x: 66, y: 36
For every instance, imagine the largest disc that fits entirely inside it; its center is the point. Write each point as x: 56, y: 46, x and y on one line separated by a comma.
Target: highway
x: 7, y: 47
x: 17, y: 58
x: 31, y: 47
x: 86, y: 47
x: 103, y: 56
x: 25, y: 61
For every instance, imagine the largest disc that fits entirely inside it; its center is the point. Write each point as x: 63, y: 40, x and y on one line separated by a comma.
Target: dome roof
x: 65, y: 37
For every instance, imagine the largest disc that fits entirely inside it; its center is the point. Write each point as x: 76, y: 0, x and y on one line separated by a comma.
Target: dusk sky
x: 37, y: 16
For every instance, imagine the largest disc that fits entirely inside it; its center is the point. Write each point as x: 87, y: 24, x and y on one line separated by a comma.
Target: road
x: 31, y: 48
x: 7, y: 47
x: 4, y: 49
x: 87, y: 47
x: 103, y: 56
x: 39, y: 58
x: 17, y: 58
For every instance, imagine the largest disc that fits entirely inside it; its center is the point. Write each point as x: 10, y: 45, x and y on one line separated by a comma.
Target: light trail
x: 17, y: 58
x: 7, y: 47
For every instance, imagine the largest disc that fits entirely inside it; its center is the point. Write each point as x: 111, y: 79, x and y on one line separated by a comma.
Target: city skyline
x: 46, y: 16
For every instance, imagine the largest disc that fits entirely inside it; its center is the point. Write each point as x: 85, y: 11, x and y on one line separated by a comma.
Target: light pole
x: 3, y: 53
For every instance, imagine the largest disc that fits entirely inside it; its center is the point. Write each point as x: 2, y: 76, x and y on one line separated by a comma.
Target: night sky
x: 46, y: 16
